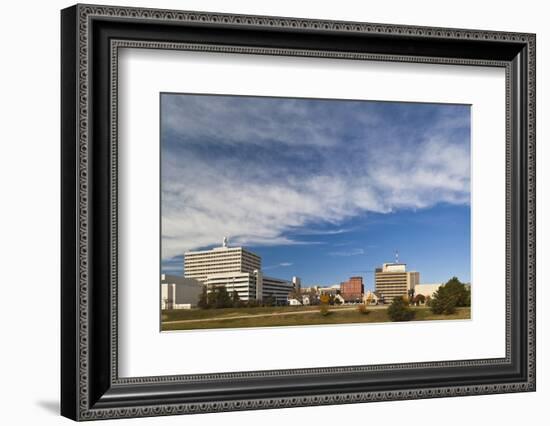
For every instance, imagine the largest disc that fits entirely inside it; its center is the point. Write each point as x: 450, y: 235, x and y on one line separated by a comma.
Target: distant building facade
x: 330, y: 290
x: 393, y: 280
x: 276, y: 288
x: 244, y: 283
x: 309, y: 296
x: 252, y: 286
x: 370, y: 298
x: 179, y: 292
x: 426, y: 290
x: 238, y: 270
x: 352, y: 290
x: 339, y: 299
x: 297, y: 282
x: 220, y: 260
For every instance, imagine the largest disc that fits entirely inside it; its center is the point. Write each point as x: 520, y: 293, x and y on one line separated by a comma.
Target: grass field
x: 193, y: 319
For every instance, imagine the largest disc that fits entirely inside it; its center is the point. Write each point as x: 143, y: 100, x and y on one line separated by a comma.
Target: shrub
x: 362, y: 309
x: 399, y: 310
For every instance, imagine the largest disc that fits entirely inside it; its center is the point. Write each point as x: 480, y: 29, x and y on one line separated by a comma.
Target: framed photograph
x: 263, y: 212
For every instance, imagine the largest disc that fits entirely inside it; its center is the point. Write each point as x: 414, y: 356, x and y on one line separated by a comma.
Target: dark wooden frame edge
x: 90, y: 388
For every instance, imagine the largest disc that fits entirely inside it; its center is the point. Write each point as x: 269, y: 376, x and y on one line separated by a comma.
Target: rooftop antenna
x: 396, y: 256
x: 224, y: 243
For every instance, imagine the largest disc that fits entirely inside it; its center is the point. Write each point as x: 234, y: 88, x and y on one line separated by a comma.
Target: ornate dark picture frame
x: 90, y: 385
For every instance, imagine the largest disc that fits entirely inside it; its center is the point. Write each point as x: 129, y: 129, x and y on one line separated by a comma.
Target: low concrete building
x: 426, y: 290
x: 179, y: 292
x: 276, y: 288
x: 252, y: 286
x: 243, y: 283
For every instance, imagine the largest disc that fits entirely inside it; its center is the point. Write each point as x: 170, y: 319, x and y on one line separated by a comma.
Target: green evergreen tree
x: 203, y: 299
x: 213, y: 296
x: 449, y: 296
x: 223, y: 300
x: 235, y: 300
x: 399, y: 310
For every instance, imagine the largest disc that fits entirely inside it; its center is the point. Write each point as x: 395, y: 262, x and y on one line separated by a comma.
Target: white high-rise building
x: 238, y: 270
x: 220, y: 260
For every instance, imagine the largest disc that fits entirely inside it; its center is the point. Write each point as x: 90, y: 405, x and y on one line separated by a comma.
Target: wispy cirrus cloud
x: 347, y: 253
x: 277, y: 172
x: 278, y: 265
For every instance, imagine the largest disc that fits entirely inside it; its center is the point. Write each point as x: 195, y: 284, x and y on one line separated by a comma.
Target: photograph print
x: 281, y: 212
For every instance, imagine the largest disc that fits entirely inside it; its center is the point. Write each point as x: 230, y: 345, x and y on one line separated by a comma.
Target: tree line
x: 217, y: 297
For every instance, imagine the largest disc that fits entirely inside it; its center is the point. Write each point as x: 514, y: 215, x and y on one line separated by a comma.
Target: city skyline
x: 354, y: 257
x: 319, y: 189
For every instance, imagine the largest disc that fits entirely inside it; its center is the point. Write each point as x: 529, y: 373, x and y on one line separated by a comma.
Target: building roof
x: 220, y: 249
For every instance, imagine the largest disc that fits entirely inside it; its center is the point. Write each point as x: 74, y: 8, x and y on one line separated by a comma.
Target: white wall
x: 29, y: 225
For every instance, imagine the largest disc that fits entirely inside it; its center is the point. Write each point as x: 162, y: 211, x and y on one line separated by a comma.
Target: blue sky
x: 321, y: 189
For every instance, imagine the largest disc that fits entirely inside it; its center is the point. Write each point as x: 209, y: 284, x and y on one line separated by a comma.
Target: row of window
x: 220, y: 264
x: 391, y: 287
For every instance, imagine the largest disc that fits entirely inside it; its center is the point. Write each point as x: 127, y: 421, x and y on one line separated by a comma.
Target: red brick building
x: 353, y: 289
